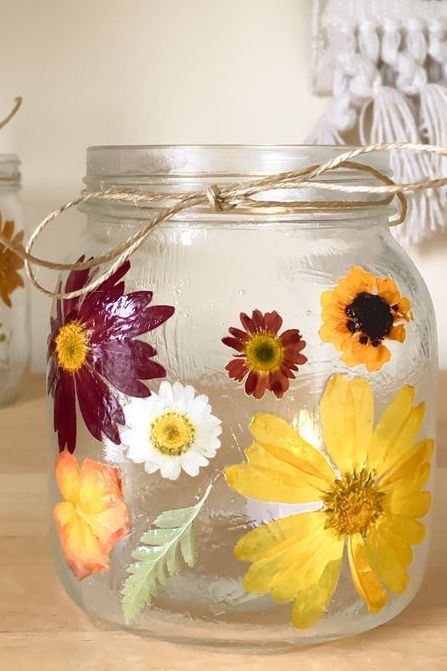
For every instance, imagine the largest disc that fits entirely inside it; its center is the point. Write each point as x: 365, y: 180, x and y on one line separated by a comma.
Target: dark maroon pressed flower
x: 92, y: 353
x: 267, y: 358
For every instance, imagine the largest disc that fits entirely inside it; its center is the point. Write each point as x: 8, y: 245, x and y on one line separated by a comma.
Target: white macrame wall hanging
x: 384, y: 63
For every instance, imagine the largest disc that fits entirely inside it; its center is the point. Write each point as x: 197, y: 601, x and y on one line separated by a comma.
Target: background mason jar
x: 14, y: 322
x: 211, y: 268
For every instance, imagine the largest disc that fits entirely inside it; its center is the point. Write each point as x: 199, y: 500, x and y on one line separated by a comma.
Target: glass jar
x: 14, y: 328
x: 244, y: 414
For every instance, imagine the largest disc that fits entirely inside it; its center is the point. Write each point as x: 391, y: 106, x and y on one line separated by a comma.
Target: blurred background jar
x: 14, y: 326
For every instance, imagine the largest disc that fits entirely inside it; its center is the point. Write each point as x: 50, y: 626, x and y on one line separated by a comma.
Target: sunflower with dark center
x: 360, y: 314
x: 269, y: 360
x: 93, y: 353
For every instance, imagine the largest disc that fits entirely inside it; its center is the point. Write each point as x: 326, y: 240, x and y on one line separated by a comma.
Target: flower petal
x: 412, y: 504
x: 401, y: 533
x: 64, y: 411
x: 378, y: 356
x: 100, y: 486
x: 398, y: 333
x: 272, y: 322
x: 311, y: 603
x: 285, y: 443
x: 64, y: 512
x: 396, y: 431
x: 234, y: 343
x: 256, y: 384
x: 386, y: 562
x: 261, y: 541
x: 100, y: 409
x: 408, y: 475
x: 366, y: 580
x: 67, y: 476
x: 109, y: 290
x: 387, y: 289
x: 81, y: 548
x: 266, y: 478
x: 278, y: 560
x: 130, y: 315
x: 347, y: 415
x: 237, y: 369
x: 111, y: 525
x: 308, y: 560
x: 124, y: 362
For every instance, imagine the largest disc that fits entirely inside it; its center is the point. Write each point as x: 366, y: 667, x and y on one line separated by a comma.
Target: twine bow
x: 234, y: 198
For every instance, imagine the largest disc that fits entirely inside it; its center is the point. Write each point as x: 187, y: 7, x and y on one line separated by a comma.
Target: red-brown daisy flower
x: 268, y: 358
x: 92, y: 352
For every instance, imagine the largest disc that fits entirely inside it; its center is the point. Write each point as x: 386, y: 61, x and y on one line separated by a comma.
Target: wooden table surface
x: 42, y: 630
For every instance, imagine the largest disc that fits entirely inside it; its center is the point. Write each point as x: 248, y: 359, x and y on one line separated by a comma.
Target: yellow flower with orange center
x: 360, y: 314
x: 93, y: 516
x: 10, y: 263
x: 368, y: 496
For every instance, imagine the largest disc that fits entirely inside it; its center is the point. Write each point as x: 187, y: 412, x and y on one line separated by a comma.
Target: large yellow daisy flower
x: 368, y: 496
x: 360, y: 313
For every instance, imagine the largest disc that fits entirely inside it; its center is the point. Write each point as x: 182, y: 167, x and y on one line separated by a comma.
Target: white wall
x: 154, y: 71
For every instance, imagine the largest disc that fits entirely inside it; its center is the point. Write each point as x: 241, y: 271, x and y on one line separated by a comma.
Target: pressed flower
x: 93, y: 517
x: 10, y: 263
x: 268, y: 359
x: 368, y: 497
x: 170, y: 431
x: 93, y: 352
x: 360, y: 314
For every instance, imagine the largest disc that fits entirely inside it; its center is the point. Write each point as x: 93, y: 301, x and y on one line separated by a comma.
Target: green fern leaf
x: 158, y: 556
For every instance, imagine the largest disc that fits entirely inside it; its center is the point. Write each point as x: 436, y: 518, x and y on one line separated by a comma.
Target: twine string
x: 232, y: 198
x: 17, y: 104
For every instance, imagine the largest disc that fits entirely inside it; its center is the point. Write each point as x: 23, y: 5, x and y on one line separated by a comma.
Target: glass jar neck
x: 10, y: 177
x: 169, y: 172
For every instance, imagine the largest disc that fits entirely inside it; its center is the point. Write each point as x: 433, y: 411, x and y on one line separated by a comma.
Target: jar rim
x: 176, y: 160
x: 172, y: 170
x: 9, y: 169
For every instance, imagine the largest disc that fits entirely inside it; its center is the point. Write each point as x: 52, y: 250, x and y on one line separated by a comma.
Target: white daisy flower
x: 169, y: 431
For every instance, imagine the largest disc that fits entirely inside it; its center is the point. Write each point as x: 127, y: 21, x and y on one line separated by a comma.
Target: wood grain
x: 42, y: 630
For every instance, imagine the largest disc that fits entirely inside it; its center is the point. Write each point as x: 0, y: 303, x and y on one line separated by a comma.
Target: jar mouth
x: 178, y: 169
x: 9, y: 170
x: 131, y: 163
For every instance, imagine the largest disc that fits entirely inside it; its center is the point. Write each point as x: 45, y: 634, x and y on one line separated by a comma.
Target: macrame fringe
x: 393, y: 119
x: 388, y: 84
x: 433, y: 124
x: 324, y: 132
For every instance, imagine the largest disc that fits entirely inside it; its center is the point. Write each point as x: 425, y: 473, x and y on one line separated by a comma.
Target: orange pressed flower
x: 360, y: 314
x: 10, y: 263
x: 93, y: 516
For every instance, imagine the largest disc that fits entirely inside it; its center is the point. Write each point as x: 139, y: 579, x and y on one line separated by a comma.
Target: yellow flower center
x: 172, y: 434
x: 353, y: 504
x: 71, y: 347
x: 264, y: 352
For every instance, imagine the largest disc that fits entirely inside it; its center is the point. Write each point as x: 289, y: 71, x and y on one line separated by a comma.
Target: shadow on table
x: 34, y: 388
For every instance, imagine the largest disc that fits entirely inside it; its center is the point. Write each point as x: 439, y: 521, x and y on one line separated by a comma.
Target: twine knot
x: 215, y: 198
